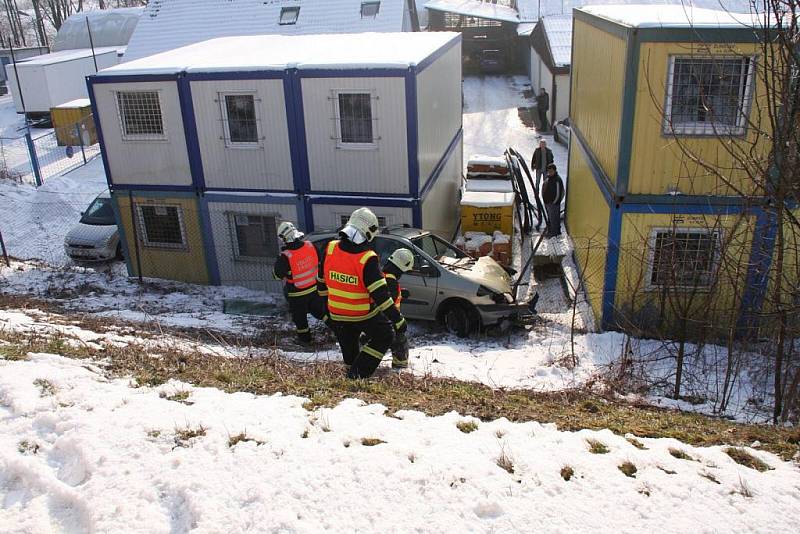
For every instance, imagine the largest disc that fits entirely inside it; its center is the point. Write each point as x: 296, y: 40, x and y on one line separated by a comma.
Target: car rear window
x: 99, y: 213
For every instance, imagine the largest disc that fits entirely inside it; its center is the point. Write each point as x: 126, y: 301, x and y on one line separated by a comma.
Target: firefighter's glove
x: 401, y: 326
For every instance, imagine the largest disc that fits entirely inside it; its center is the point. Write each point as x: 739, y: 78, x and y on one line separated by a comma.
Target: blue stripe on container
x: 207, y: 233
x: 190, y: 132
x: 412, y: 132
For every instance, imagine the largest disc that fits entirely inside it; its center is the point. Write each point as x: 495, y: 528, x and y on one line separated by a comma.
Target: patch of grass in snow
x: 567, y: 472
x: 628, y: 469
x: 13, y: 353
x: 597, y: 447
x: 326, y: 385
x: 184, y: 436
x: 505, y: 462
x: 742, y: 489
x: 412, y: 457
x: 181, y: 396
x: 28, y: 447
x: 636, y: 443
x: 742, y: 457
x: 467, y: 426
x: 304, y: 435
x: 371, y: 442
x: 46, y: 388
x: 153, y: 434
x: 709, y: 476
x: 680, y: 454
x: 667, y: 471
x: 240, y: 438
x: 500, y: 434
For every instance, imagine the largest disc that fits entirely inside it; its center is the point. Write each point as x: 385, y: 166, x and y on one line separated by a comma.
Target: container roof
x: 176, y: 23
x: 278, y: 52
x: 671, y: 16
x: 476, y: 8
x: 67, y: 55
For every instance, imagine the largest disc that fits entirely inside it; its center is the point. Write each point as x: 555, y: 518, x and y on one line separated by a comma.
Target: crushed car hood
x: 484, y: 271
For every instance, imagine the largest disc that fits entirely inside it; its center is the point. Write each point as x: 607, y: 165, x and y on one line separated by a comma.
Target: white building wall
x: 246, y: 273
x: 440, y: 208
x: 536, y: 71
x: 329, y: 216
x: 438, y: 109
x: 144, y: 162
x: 562, y: 103
x: 382, y: 169
x: 547, y: 83
x: 225, y: 165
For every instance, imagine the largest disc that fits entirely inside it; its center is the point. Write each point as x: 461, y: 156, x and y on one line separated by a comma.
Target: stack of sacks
x: 478, y: 244
x: 501, y: 248
x: 487, y: 167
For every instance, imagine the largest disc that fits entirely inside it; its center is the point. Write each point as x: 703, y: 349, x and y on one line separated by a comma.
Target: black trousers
x: 543, y: 120
x: 399, y: 349
x: 364, y: 359
x: 553, y: 219
x: 300, y: 307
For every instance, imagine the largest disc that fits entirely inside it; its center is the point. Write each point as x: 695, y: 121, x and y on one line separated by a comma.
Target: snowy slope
x: 81, y: 453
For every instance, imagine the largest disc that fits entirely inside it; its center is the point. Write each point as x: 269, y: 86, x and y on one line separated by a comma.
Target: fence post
x: 79, y: 133
x: 5, y: 252
x: 37, y: 173
x: 135, y: 237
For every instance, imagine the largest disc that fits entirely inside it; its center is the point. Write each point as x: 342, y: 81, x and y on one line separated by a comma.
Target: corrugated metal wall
x: 383, y: 169
x: 329, y: 216
x: 163, y: 163
x: 562, y: 103
x: 587, y: 221
x: 598, y: 76
x: 248, y: 273
x: 266, y: 166
x: 440, y: 208
x: 186, y: 264
x: 658, y: 161
x: 438, y: 109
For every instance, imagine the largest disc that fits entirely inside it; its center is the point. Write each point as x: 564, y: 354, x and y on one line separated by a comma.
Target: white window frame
x: 141, y: 137
x: 142, y: 227
x: 337, y: 119
x: 703, y: 129
x: 237, y: 255
x: 651, y: 253
x: 226, y: 131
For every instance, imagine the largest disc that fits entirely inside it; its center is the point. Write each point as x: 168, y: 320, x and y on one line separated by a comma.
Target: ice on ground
x: 82, y: 453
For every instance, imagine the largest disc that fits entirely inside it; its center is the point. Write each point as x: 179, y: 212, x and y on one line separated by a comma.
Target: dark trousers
x: 400, y: 350
x: 300, y: 307
x: 553, y: 219
x: 543, y: 120
x: 364, y: 359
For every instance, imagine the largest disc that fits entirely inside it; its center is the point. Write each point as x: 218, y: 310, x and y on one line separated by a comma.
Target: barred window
x: 683, y: 258
x: 708, y: 95
x: 255, y: 236
x: 455, y: 21
x: 289, y: 15
x: 161, y: 226
x: 239, y: 116
x: 370, y: 9
x: 140, y: 115
x: 354, y: 118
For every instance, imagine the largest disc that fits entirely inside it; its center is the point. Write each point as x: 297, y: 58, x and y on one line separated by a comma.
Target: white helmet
x: 288, y: 233
x: 363, y: 222
x: 403, y: 259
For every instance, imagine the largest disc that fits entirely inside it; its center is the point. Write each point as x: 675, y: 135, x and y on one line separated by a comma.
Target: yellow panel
x: 659, y: 160
x: 598, y: 77
x: 65, y: 121
x: 587, y: 221
x: 487, y: 219
x: 186, y: 263
x: 646, y: 305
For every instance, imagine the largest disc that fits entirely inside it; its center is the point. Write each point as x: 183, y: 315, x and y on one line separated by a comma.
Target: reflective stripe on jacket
x: 303, y: 264
x: 399, y: 297
x: 348, y: 294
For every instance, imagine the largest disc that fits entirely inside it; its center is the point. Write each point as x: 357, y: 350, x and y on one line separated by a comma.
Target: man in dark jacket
x: 543, y: 106
x: 552, y: 195
x: 542, y: 157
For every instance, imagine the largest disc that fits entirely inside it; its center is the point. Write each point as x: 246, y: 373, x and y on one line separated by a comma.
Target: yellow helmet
x: 363, y: 221
x: 403, y: 259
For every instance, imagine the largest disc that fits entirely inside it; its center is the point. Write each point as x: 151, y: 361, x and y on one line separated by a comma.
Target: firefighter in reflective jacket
x: 358, y: 299
x: 298, y: 265
x: 401, y: 261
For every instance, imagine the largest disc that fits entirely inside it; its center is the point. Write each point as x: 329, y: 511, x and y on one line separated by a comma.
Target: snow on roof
x: 525, y: 28
x: 78, y: 103
x: 672, y: 16
x: 476, y: 8
x: 533, y: 10
x: 110, y: 27
x: 278, y: 52
x: 67, y: 55
x: 166, y: 25
x: 558, y: 30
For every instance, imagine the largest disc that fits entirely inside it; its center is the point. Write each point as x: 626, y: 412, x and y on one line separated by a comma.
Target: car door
x: 422, y: 289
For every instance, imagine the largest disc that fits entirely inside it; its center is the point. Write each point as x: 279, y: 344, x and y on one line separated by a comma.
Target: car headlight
x: 484, y: 291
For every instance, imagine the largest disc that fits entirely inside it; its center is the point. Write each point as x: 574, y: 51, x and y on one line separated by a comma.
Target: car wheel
x: 458, y: 320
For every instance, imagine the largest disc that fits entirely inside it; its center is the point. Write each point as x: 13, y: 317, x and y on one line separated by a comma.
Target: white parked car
x: 95, y: 237
x: 562, y: 131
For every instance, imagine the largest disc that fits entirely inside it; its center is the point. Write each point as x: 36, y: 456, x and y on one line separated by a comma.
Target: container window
x: 370, y: 9
x: 683, y: 258
x: 355, y: 120
x: 255, y: 236
x: 239, y: 116
x: 140, y: 115
x: 708, y: 96
x: 161, y: 226
x: 289, y: 15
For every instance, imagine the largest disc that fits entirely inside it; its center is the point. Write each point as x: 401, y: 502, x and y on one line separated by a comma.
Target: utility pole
x: 91, y: 43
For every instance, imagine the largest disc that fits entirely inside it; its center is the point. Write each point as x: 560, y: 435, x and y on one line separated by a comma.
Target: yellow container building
x: 487, y: 212
x: 73, y: 123
x: 655, y: 91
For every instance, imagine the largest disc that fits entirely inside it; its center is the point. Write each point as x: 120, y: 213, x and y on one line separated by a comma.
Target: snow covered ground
x: 82, y: 453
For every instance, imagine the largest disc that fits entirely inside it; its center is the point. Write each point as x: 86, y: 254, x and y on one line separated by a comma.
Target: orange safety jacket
x: 399, y: 297
x: 303, y: 264
x: 348, y: 294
